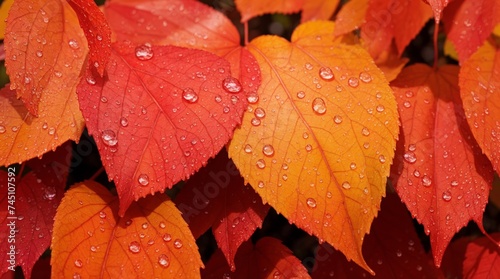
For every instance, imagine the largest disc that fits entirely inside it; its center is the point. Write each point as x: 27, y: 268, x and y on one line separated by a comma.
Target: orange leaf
x: 96, y: 30
x: 392, y: 248
x: 439, y: 171
x: 252, y: 8
x: 318, y: 9
x: 400, y: 20
x: 351, y: 16
x: 479, y: 89
x: 151, y: 240
x: 437, y: 7
x: 4, y: 11
x: 164, y: 106
x: 43, y: 41
x: 473, y: 258
x: 216, y: 197
x: 390, y: 63
x: 318, y: 143
x: 267, y: 259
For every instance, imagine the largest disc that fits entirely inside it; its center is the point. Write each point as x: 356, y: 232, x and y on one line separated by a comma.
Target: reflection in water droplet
x: 337, y: 119
x: 134, y: 247
x: 365, y: 77
x: 301, y: 94
x: 311, y: 202
x: 78, y: 263
x: 319, y: 106
x: 109, y: 138
x: 426, y: 181
x: 353, y: 82
x: 248, y: 148
x: 163, y: 260
x: 326, y: 73
x: 447, y: 196
x: 410, y: 157
x: 144, y: 52
x: 252, y: 98
x: 268, y: 150
x: 346, y: 185
x: 189, y: 95
x: 178, y: 243
x: 231, y: 85
x: 260, y: 113
x: 124, y: 122
x: 143, y: 179
x: 261, y: 164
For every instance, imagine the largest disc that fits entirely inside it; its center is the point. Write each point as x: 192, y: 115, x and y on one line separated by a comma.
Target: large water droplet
x: 163, y: 260
x: 319, y: 106
x: 268, y: 150
x: 143, y: 179
x: 109, y: 138
x: 178, y: 243
x: 231, y: 85
x: 311, y: 202
x: 260, y: 164
x: 167, y: 237
x: 326, y: 73
x: 410, y: 157
x: 365, y: 77
x: 346, y: 185
x: 260, y: 113
x: 426, y: 181
x: 134, y: 247
x: 144, y: 52
x: 447, y: 196
x: 189, y: 95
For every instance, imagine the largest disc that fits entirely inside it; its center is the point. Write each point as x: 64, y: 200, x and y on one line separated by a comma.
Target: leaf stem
x: 245, y: 30
x: 97, y: 173
x: 436, y: 32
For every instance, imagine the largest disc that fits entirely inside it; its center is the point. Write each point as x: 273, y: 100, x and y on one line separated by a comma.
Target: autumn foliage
x: 200, y: 134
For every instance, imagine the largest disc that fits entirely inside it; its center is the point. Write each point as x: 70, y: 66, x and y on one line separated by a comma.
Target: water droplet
x: 337, y: 119
x: 143, y: 179
x: 167, y: 237
x: 381, y: 158
x: 231, y: 85
x: 346, y: 185
x: 39, y: 53
x: 268, y: 150
x: 399, y: 253
x: 248, y: 148
x: 261, y: 164
x: 163, y: 260
x: 285, y: 177
x: 109, y: 138
x: 447, y: 196
x: 409, y: 94
x: 454, y: 183
x: 326, y: 73
x: 301, y: 94
x: 311, y: 202
x: 255, y: 122
x: 134, y: 247
x: 407, y: 104
x: 178, y: 243
x: 78, y: 263
x: 308, y: 148
x: 410, y: 157
x: 73, y: 44
x: 90, y: 80
x: 144, y: 52
x: 426, y: 181
x: 365, y: 77
x: 353, y: 82
x: 260, y: 184
x: 252, y: 98
x: 189, y: 95
x: 124, y: 122
x: 305, y: 135
x: 2, y: 129
x: 27, y: 80
x: 412, y: 147
x: 93, y: 248
x: 52, y: 130
x: 276, y: 275
x: 365, y: 131
x: 102, y: 214
x: 319, y: 106
x: 218, y: 99
x: 260, y: 113
x: 353, y: 166
x: 308, y: 66
x: 380, y: 108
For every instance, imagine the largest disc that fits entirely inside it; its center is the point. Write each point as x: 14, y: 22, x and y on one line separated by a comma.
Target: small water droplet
x: 163, y: 260
x: 144, y: 52
x: 305, y: 135
x: 308, y: 148
x: 454, y: 183
x: 178, y: 243
x: 255, y: 122
x: 268, y: 150
x: 124, y: 122
x: 143, y: 179
x: 410, y: 157
x: 407, y: 104
x: 218, y: 98
x: 167, y: 237
x: 78, y: 263
x: 365, y: 77
x: 261, y: 164
x: 353, y: 82
x: 109, y: 138
x: 145, y: 225
x: 365, y: 131
x: 231, y: 85
x: 301, y: 94
x: 248, y: 148
x: 134, y: 247
x: 326, y: 73
x: 353, y: 166
x: 308, y: 66
x: 39, y: 53
x: 380, y: 108
x: 319, y: 106
x: 2, y: 129
x: 346, y: 185
x: 73, y: 44
x: 311, y: 202
x: 276, y: 275
x: 260, y: 113
x: 102, y: 214
x: 426, y: 181
x: 447, y: 196
x: 260, y: 184
x: 90, y: 80
x: 252, y: 98
x: 381, y: 159
x: 189, y: 95
x: 409, y: 94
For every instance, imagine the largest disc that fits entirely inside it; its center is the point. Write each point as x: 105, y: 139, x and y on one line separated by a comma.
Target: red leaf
x: 184, y: 23
x: 168, y: 107
x: 267, y: 259
x: 468, y: 30
x: 400, y: 20
x: 437, y: 7
x: 34, y: 209
x: 478, y: 258
x: 439, y: 171
x: 392, y: 249
x: 217, y: 197
x: 96, y: 30
x: 252, y: 8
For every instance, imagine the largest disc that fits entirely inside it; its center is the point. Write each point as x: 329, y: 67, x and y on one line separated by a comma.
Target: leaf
x: 400, y: 20
x: 439, y: 171
x: 44, y: 50
x: 34, y: 208
x: 151, y: 240
x: 318, y: 143
x: 184, y: 23
x: 96, y: 30
x: 437, y: 7
x: 4, y: 12
x: 217, y: 197
x: 468, y: 30
x: 390, y: 63
x: 161, y: 113
x: 479, y: 84
x: 267, y: 259
x: 252, y: 8
x: 473, y: 258
x: 392, y: 248
x: 318, y: 10
x: 351, y: 16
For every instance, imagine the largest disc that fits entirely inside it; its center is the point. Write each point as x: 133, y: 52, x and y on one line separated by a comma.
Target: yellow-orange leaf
x: 4, y: 11
x: 351, y: 16
x: 318, y: 9
x: 252, y: 8
x: 318, y: 143
x: 479, y: 89
x: 91, y: 241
